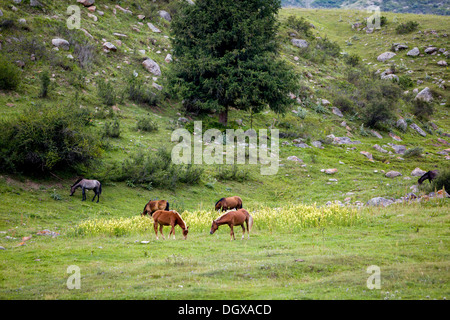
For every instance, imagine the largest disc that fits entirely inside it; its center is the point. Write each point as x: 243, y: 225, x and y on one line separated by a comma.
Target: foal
x: 229, y: 203
x: 168, y: 218
x: 234, y: 218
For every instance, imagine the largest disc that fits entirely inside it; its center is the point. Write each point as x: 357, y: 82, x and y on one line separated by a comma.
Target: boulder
x: 414, y: 52
x: 300, y: 43
x: 376, y: 134
x: 417, y: 172
x: 123, y: 9
x: 380, y: 149
x: 379, y: 201
x: 337, y: 112
x: 395, y: 137
x: 108, y: 46
x: 386, y: 56
x: 61, y: 43
x: 391, y: 77
x: 34, y: 3
x: 418, y: 129
x: 168, y: 58
x: 329, y: 171
x: 393, y: 174
x: 431, y: 50
x: 425, y: 95
x: 399, y: 149
x: 367, y: 154
x: 342, y: 140
x: 442, y: 63
x: 153, y: 28
x: 401, y: 124
x: 399, y: 46
x: 301, y: 145
x: 86, y: 3
x: 317, y: 144
x: 165, y: 15
x: 152, y: 66
x: 294, y: 158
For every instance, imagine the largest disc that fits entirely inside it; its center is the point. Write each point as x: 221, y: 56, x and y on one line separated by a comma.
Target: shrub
x: 376, y: 112
x: 422, y: 109
x: 352, y: 59
x: 45, y: 84
x: 300, y: 25
x: 138, y: 92
x: 106, y: 92
x: 442, y: 180
x: 413, y: 152
x: 9, y: 75
x: 232, y: 173
x: 112, y: 129
x: 43, y: 139
x: 405, y: 82
x: 146, y: 124
x: 406, y: 27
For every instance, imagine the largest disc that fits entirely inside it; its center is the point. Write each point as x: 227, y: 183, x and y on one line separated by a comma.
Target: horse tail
x: 100, y: 188
x: 250, y: 222
x: 167, y: 206
x: 239, y: 203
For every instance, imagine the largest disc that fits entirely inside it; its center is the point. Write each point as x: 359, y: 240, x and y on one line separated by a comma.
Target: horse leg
x: 95, y: 194
x: 232, y: 233
x: 160, y: 230
x: 84, y: 193
x: 155, y: 226
x: 173, y: 232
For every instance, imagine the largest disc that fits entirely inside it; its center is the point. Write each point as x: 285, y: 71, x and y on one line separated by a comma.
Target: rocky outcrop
x: 386, y: 56
x: 418, y: 129
x: 151, y: 66
x: 300, y: 43
x: 425, y: 95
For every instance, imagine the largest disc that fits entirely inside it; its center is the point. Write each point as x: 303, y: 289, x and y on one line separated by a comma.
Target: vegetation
x: 9, y: 75
x: 406, y: 27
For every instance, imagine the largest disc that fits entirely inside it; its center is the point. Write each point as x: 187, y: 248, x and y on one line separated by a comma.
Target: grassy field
x: 409, y: 242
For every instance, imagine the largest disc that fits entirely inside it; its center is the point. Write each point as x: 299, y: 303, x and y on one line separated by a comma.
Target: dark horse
x: 430, y: 175
x: 155, y: 205
x: 85, y: 184
x: 234, y: 218
x: 229, y: 203
x: 169, y: 218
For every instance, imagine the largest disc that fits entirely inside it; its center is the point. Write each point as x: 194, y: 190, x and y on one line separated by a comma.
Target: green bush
x: 441, y: 181
x: 46, y: 138
x: 112, y: 129
x: 156, y: 170
x: 352, y: 59
x: 422, y: 109
x: 138, y: 92
x: 106, y: 92
x: 45, y: 84
x: 146, y: 124
x: 9, y: 75
x: 407, y: 27
x: 413, y: 152
x: 232, y: 173
x: 300, y: 25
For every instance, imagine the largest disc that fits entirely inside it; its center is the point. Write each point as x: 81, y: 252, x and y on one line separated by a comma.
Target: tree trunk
x: 223, y: 116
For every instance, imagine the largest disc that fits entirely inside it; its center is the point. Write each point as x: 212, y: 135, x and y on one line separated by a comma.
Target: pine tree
x: 226, y: 56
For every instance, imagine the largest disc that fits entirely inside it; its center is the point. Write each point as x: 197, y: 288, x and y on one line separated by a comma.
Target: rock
x: 442, y: 141
x: 165, y: 15
x: 337, y: 112
x: 379, y: 201
x: 34, y: 3
x: 153, y: 28
x: 120, y: 35
x: 2, y: 248
x: 302, y: 145
x: 417, y: 172
x: 183, y: 119
x: 431, y: 50
x: 1, y: 13
x: 391, y: 77
x: 294, y: 158
x: 399, y: 46
x: 418, y: 129
x: 157, y: 86
x: 61, y: 43
x: 325, y: 102
x: 92, y: 9
x: 300, y: 43
x: 141, y: 17
x: 393, y: 174
x: 367, y: 154
x: 376, y: 134
x: 92, y: 16
x: 425, y: 95
x: 442, y: 63
x: 168, y: 58
x: 414, y: 52
x: 329, y: 171
x: 342, y: 140
x: 123, y: 10
x: 380, y: 149
x: 86, y: 3
x: 386, y: 56
x: 401, y: 124
x: 317, y: 144
x: 108, y: 46
x: 399, y: 149
x: 152, y: 66
x: 395, y: 137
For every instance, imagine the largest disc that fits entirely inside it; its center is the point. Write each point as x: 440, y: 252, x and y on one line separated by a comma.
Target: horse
x: 234, y: 218
x: 155, y: 205
x: 430, y: 175
x: 229, y: 203
x: 168, y: 218
x: 86, y: 184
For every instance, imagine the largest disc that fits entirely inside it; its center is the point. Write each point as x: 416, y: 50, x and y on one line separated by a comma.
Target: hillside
x: 103, y: 88
x: 441, y: 7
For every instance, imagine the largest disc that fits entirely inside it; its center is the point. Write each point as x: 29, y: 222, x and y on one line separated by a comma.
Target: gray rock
x: 108, y: 46
x: 300, y: 43
x: 414, y: 52
x: 418, y: 129
x: 294, y: 158
x: 302, y: 145
x: 379, y: 201
x: 165, y: 15
x: 393, y: 174
x: 86, y: 3
x: 380, y: 149
x: 342, y: 140
x: 442, y: 63
x: 431, y: 50
x: 152, y: 66
x: 61, y: 43
x: 399, y: 149
x: 168, y: 58
x: 317, y: 144
x: 35, y: 3
x: 401, y: 124
x: 376, y: 134
x: 391, y: 77
x: 400, y: 46
x: 153, y: 28
x: 386, y: 56
x: 425, y: 95
x: 183, y: 119
x: 337, y: 112
x: 417, y: 172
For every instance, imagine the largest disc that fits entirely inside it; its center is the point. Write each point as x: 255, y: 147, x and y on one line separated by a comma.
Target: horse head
x: 214, y: 227
x: 185, y: 232
x: 219, y: 204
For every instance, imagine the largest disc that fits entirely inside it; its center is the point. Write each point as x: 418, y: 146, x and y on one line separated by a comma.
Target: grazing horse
x: 234, y: 218
x: 168, y: 218
x: 155, y: 205
x: 85, y: 184
x: 229, y: 203
x: 430, y: 175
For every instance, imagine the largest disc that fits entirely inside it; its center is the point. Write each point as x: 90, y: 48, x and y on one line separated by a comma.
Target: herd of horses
x: 162, y: 215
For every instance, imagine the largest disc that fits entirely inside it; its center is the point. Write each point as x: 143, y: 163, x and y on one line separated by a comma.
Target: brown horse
x: 229, y: 203
x: 234, y: 218
x: 155, y: 205
x: 168, y: 218
x: 430, y: 175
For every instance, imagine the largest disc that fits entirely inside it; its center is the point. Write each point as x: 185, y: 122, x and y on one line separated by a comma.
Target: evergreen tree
x: 226, y: 56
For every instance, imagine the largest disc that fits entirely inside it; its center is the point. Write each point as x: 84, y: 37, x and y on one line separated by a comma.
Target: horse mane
x: 219, y: 201
x: 76, y: 182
